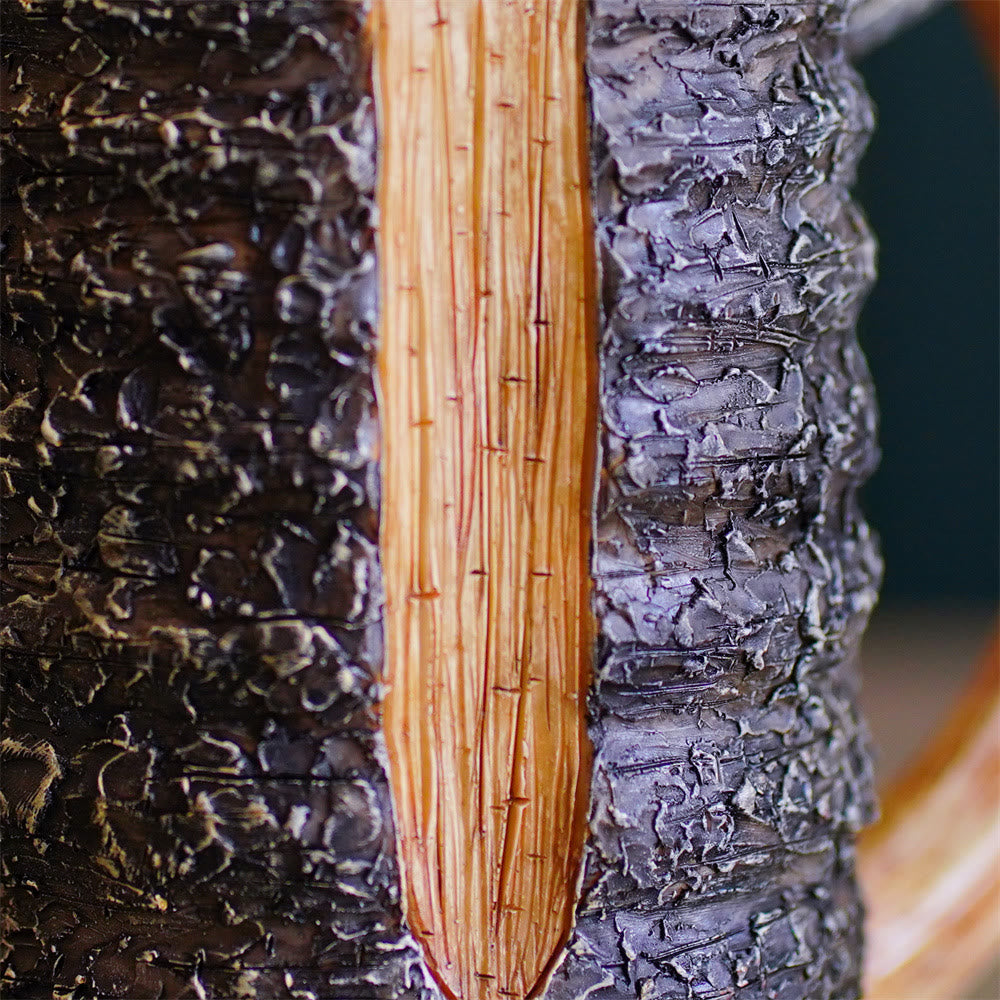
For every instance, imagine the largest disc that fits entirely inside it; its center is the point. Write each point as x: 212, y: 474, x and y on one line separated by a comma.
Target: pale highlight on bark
x: 488, y: 412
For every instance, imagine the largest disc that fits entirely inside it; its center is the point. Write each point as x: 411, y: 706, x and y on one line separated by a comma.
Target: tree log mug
x: 433, y: 566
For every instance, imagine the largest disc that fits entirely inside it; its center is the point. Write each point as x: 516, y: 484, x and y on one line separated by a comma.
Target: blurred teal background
x: 931, y: 329
x: 930, y: 185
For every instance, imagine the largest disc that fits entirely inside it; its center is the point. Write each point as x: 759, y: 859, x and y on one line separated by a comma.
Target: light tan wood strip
x: 488, y: 385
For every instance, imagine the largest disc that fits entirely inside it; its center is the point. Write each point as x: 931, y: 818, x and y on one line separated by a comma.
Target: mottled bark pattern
x: 194, y: 796
x: 733, y: 572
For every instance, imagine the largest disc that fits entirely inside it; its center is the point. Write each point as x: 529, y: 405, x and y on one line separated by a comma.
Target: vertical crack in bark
x: 488, y: 413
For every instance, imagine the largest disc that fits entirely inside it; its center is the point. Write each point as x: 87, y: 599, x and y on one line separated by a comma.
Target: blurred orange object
x: 930, y: 869
x: 985, y: 18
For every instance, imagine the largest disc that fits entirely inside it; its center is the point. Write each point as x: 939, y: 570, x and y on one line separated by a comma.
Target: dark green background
x: 930, y: 186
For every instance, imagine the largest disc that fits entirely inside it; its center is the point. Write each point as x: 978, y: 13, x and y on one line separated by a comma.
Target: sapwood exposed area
x: 487, y: 364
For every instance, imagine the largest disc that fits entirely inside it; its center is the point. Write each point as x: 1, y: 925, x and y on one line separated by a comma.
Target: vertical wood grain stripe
x: 487, y: 369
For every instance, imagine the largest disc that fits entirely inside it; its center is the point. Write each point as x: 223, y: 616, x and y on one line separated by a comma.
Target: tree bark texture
x: 193, y: 627
x: 733, y: 572
x: 194, y: 792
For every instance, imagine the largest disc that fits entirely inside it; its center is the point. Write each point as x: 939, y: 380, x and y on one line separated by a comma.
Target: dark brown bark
x: 194, y: 798
x: 193, y: 643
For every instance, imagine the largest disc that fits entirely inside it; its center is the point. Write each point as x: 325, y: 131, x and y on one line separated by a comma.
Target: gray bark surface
x: 734, y: 574
x: 194, y: 798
